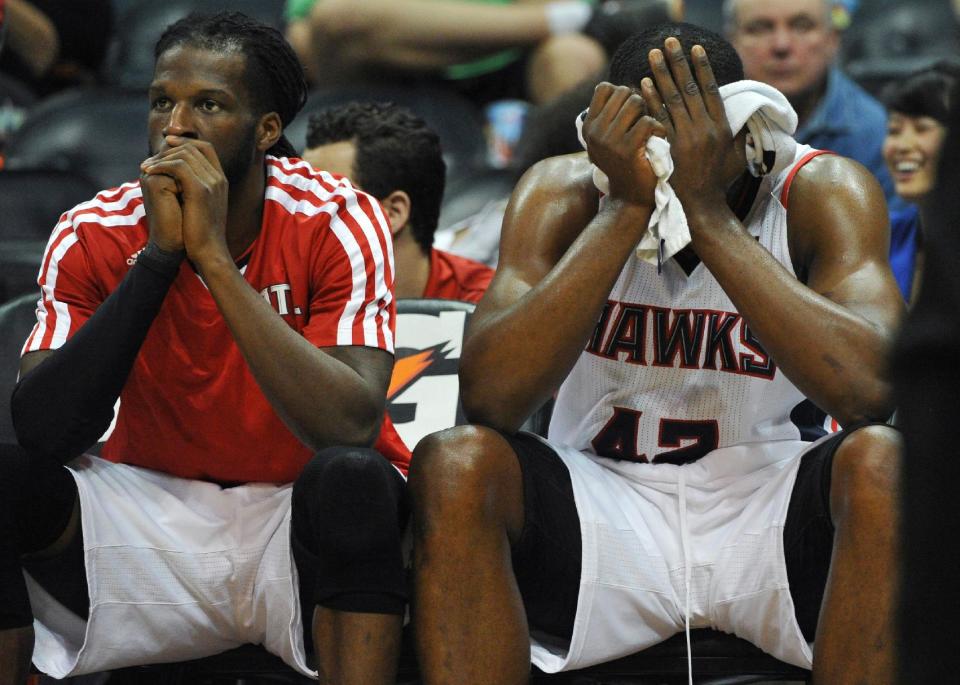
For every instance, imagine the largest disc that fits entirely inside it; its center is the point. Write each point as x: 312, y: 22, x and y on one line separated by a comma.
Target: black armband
x: 61, y: 407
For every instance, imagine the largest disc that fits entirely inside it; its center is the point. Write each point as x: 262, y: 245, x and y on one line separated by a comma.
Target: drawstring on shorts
x: 687, y: 566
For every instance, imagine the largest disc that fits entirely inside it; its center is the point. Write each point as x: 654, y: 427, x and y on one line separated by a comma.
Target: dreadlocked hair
x: 274, y: 76
x: 630, y: 64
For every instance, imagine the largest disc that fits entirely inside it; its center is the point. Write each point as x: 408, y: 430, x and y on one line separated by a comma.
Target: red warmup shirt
x: 456, y: 278
x: 451, y: 278
x: 190, y: 406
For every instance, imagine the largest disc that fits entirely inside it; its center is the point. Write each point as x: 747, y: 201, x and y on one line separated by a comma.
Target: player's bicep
x: 844, y: 244
x: 548, y: 209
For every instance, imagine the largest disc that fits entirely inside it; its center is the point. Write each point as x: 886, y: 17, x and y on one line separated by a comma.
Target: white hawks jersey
x: 672, y: 370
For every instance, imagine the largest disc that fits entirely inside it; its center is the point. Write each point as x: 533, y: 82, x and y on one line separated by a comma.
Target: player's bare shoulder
x: 834, y: 204
x: 551, y: 204
x: 560, y: 176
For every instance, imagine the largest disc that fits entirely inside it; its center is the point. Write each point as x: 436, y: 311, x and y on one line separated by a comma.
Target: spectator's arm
x: 413, y: 34
x: 31, y: 36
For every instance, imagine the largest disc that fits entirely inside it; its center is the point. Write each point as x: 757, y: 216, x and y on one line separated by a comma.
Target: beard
x: 236, y: 160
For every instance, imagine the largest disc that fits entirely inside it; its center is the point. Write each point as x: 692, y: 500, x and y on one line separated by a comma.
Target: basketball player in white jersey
x: 675, y: 490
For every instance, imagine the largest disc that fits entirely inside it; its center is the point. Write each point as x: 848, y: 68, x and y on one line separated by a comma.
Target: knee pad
x: 348, y: 513
x: 36, y: 500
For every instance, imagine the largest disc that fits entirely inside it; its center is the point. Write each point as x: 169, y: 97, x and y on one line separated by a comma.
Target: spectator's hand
x: 691, y: 110
x: 616, y: 131
x: 162, y: 206
x: 203, y: 187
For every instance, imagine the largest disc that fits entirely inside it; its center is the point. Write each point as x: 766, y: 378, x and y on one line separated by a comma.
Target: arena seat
x: 100, y: 133
x: 31, y: 201
x: 887, y: 41
x: 16, y: 321
x: 456, y: 121
x: 129, y: 60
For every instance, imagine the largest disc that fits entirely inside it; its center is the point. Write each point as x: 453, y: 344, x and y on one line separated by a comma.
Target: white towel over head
x: 770, y: 121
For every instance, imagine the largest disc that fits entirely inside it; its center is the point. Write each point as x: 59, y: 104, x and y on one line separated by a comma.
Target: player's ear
x: 269, y: 130
x: 397, y: 207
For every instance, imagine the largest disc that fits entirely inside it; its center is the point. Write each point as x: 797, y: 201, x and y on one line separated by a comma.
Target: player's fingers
x: 606, y: 103
x: 209, y: 153
x: 601, y: 94
x: 655, y: 106
x: 187, y: 163
x: 683, y: 78
x: 708, y: 83
x: 667, y: 88
x: 645, y: 128
x: 633, y: 109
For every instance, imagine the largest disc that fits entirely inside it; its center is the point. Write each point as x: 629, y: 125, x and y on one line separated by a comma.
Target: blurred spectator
x: 927, y: 385
x: 52, y: 44
x: 488, y: 49
x: 390, y: 153
x: 792, y: 45
x: 918, y: 111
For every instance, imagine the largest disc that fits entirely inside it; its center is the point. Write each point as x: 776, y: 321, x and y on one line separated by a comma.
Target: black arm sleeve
x: 62, y: 406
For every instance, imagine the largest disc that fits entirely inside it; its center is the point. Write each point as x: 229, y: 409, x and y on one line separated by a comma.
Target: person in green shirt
x: 490, y: 49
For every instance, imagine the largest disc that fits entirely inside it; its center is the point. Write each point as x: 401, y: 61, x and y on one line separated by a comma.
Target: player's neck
x: 412, y: 266
x: 245, y: 210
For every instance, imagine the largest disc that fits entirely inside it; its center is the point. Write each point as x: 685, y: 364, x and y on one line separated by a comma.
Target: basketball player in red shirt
x: 239, y: 304
x: 676, y: 489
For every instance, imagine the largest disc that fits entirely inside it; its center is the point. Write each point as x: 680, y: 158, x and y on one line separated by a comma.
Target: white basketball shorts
x: 176, y: 570
x: 657, y: 535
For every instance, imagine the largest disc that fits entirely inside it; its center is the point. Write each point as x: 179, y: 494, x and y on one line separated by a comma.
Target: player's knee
x: 866, y: 470
x: 348, y: 511
x: 344, y: 491
x: 460, y: 471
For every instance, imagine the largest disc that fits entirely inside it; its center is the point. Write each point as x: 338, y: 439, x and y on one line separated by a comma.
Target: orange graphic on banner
x: 407, y: 369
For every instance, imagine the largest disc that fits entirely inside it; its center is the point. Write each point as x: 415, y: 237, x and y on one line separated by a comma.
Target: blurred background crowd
x: 500, y: 82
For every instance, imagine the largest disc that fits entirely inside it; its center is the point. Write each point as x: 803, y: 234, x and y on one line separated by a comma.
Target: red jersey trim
x: 785, y: 193
x: 360, y: 226
x: 117, y: 207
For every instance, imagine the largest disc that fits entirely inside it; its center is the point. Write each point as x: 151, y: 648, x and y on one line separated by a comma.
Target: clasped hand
x: 185, y: 197
x: 682, y: 106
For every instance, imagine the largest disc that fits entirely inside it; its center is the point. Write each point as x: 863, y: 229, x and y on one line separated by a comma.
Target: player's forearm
x: 517, y: 354
x: 63, y: 405
x: 322, y: 400
x: 835, y: 356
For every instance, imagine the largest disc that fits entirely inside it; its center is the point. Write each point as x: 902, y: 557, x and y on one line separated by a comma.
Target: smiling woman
x: 917, y: 108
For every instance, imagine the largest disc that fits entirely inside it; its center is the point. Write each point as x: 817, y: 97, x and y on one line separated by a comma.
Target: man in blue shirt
x: 792, y: 44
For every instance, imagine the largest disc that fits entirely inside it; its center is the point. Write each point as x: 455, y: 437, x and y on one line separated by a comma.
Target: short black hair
x: 395, y: 150
x: 929, y: 92
x: 630, y: 64
x: 274, y: 76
